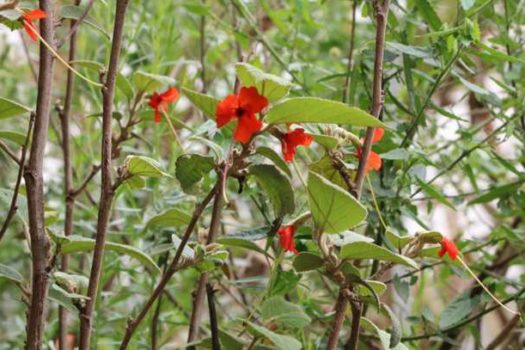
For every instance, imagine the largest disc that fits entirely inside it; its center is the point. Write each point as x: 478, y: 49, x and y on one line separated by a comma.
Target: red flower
x: 27, y: 19
x: 243, y: 107
x: 447, y: 246
x: 291, y: 140
x: 374, y: 159
x: 159, y: 102
x: 286, y: 239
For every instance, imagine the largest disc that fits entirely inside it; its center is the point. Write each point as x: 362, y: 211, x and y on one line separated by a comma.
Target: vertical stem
x: 203, y: 52
x: 107, y: 192
x: 357, y: 310
x: 377, y: 92
x: 340, y: 312
x: 215, y: 343
x: 40, y: 247
x: 346, y: 86
x: 215, y: 223
x: 65, y: 116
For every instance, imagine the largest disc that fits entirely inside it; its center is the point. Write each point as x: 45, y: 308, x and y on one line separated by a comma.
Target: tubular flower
x: 27, y: 20
x: 243, y: 106
x: 159, y: 102
x: 448, y: 247
x: 286, y: 239
x: 374, y: 160
x: 291, y: 140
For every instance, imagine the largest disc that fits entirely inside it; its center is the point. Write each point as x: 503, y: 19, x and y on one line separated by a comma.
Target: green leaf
x: 10, y: 273
x: 434, y: 193
x: 496, y: 192
x: 328, y: 142
x: 169, y: 218
x: 241, y: 243
x: 342, y: 238
x: 415, y: 51
x: 70, y: 281
x: 428, y: 13
x: 333, y: 209
x: 10, y: 108
x: 16, y: 137
x: 396, y: 331
x: 284, y: 313
x: 282, y: 342
x: 66, y: 299
x: 207, y: 104
x: 143, y: 166
x: 377, y: 287
x: 457, y: 310
x: 366, y: 250
x: 147, y: 82
x: 395, y: 154
x: 270, y: 86
x: 305, y: 261
x: 317, y: 110
x: 384, y: 337
x: 277, y: 187
x: 397, y: 241
x: 191, y: 168
x: 275, y: 158
x: 76, y: 244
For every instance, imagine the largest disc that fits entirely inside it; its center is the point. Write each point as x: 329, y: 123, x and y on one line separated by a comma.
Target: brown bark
x: 107, y: 190
x: 40, y: 247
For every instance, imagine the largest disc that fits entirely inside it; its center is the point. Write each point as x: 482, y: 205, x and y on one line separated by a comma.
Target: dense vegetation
x: 262, y: 174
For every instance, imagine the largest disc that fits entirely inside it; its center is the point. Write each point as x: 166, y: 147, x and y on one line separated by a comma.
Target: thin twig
x: 346, y: 86
x: 172, y: 269
x: 77, y: 23
x: 13, y: 207
x: 10, y: 153
x: 215, y: 343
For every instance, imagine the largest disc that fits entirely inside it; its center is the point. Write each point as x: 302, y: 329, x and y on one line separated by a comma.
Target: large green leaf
x: 143, y: 166
x: 10, y: 108
x: 169, y: 218
x: 366, y: 250
x: 457, y: 310
x: 191, y: 168
x: 270, y: 86
x: 148, y: 82
x: 333, y: 209
x: 277, y: 187
x: 70, y: 301
x: 76, y: 244
x: 317, y: 110
x: 305, y: 261
x: 275, y: 158
x: 207, y: 104
x: 384, y: 337
x: 12, y: 136
x: 282, y: 342
x: 10, y: 273
x: 284, y: 313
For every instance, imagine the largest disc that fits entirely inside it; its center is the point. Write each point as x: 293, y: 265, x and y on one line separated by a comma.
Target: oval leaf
x: 10, y: 108
x: 205, y: 103
x: 270, y: 86
x: 317, y: 110
x: 366, y: 250
x: 277, y: 186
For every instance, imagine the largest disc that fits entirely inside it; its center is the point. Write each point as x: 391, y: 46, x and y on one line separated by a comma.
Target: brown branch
x: 33, y: 175
x: 215, y: 223
x: 107, y: 190
x: 173, y: 267
x: 65, y: 116
x: 13, y: 206
x: 94, y: 170
x: 340, y: 313
x: 353, y: 340
x: 215, y: 343
x: 76, y: 24
x: 381, y: 10
x: 504, y: 333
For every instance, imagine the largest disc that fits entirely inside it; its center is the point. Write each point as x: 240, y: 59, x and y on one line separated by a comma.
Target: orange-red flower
x: 374, y: 160
x: 27, y: 20
x: 448, y: 247
x: 291, y: 140
x: 243, y: 106
x: 286, y: 239
x: 159, y: 102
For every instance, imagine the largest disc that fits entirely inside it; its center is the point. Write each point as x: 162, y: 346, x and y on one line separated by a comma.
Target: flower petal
x: 30, y: 29
x: 247, y: 126
x: 286, y: 238
x: 170, y: 95
x: 158, y: 116
x: 226, y: 110
x: 374, y: 162
x: 34, y: 14
x: 378, y: 135
x: 448, y: 247
x: 291, y: 140
x: 251, y: 101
